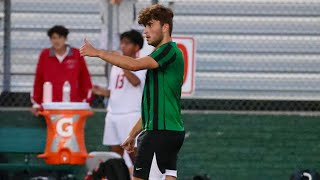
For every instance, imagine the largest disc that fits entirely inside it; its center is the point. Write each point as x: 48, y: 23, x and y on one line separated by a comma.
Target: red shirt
x: 73, y: 68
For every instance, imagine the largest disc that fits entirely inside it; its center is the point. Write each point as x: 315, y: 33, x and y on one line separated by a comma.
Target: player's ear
x: 136, y: 48
x: 165, y: 27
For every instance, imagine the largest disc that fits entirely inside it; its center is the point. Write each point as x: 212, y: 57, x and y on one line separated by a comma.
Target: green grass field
x: 225, y: 146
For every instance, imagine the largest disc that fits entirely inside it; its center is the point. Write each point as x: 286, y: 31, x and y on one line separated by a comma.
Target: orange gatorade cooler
x: 65, y: 132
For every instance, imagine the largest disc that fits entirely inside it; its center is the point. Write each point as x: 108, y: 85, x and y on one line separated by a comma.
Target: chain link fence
x: 251, y: 55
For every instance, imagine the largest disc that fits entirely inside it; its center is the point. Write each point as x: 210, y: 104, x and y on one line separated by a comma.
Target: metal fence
x: 31, y: 20
x: 246, y: 49
x: 2, y: 12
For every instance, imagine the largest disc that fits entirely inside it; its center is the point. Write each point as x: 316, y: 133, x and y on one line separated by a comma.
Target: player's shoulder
x: 177, y: 50
x: 115, y: 69
x: 75, y: 54
x: 175, y: 47
x: 44, y: 55
x: 45, y: 51
x: 161, y: 50
x: 170, y: 48
x: 75, y: 51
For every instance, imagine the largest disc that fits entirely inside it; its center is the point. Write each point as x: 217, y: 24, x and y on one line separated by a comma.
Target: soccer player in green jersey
x: 161, y: 127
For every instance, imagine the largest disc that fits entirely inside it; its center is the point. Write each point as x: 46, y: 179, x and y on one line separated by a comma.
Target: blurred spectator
x: 125, y: 93
x: 59, y: 64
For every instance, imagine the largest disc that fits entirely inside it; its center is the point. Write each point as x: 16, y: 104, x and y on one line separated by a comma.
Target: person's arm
x: 132, y: 78
x: 36, y: 95
x: 100, y: 91
x: 124, y: 62
x: 129, y: 143
x: 136, y: 129
x: 85, y: 82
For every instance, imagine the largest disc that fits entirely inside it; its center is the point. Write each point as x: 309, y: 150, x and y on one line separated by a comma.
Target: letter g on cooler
x: 64, y: 127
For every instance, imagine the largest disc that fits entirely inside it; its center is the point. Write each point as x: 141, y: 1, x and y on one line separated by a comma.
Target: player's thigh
x: 144, y: 156
x: 157, y: 153
x: 169, y: 145
x: 125, y: 123
x: 110, y: 136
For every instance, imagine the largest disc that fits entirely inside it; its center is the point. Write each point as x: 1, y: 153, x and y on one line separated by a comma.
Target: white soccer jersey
x: 124, y: 97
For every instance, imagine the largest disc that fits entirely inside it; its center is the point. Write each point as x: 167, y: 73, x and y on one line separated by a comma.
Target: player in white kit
x: 125, y: 94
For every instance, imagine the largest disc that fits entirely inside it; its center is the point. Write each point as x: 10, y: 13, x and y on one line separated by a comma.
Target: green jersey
x: 161, y: 106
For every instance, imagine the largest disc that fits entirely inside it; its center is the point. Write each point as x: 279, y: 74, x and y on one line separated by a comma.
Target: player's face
x: 153, y: 33
x: 128, y: 48
x: 58, y: 42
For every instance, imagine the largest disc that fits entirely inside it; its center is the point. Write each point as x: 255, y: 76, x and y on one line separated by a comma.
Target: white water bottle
x: 47, y: 92
x: 66, y: 92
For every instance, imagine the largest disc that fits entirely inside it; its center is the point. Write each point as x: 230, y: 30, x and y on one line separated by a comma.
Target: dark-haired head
x: 58, y: 29
x: 58, y: 37
x: 134, y: 37
x: 157, y: 21
x: 131, y: 42
x: 156, y: 12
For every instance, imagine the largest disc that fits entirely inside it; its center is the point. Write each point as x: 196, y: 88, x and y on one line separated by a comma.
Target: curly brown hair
x: 156, y: 12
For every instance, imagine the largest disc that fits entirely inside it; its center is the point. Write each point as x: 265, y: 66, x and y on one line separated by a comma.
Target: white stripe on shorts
x: 155, y: 173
